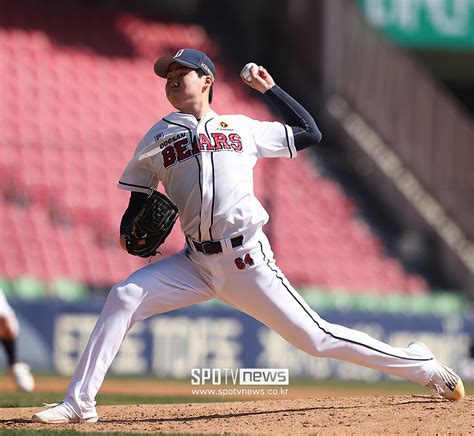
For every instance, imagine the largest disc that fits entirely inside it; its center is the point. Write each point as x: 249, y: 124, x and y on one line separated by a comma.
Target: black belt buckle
x: 211, y: 247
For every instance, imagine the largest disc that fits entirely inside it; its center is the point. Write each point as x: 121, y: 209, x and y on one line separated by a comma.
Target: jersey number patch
x: 243, y: 263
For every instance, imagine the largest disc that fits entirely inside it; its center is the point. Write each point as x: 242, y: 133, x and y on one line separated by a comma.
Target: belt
x: 213, y: 247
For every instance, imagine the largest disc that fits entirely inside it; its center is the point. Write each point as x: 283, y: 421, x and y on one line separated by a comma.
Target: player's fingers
x: 254, y: 80
x: 255, y: 72
x: 263, y: 73
x: 247, y: 82
x: 258, y: 74
x: 244, y: 79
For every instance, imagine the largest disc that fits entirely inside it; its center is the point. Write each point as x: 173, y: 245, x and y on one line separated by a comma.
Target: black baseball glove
x: 152, y: 225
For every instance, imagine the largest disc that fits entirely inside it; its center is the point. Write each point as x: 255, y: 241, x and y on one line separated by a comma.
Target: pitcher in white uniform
x: 205, y: 163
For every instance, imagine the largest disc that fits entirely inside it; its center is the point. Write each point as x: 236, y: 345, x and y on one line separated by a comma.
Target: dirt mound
x: 360, y: 415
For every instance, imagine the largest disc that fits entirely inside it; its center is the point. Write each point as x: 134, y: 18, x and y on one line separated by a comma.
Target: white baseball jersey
x: 206, y: 168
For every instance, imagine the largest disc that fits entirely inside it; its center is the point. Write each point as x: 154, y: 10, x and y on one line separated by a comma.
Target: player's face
x: 183, y: 86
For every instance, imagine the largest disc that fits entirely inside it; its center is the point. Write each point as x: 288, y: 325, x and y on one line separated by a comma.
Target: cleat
x: 444, y: 381
x: 60, y: 413
x: 21, y: 374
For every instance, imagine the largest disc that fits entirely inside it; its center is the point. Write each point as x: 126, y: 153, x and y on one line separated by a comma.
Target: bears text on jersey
x: 181, y: 150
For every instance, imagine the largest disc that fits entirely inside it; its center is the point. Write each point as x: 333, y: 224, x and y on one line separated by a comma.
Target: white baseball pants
x: 260, y: 290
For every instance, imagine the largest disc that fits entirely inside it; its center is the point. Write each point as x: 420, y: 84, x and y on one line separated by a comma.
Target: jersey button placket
x: 207, y: 189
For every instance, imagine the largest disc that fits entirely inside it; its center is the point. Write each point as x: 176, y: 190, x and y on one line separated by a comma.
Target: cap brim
x: 162, y: 64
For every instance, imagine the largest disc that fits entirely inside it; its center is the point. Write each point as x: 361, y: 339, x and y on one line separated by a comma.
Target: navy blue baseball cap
x: 189, y: 57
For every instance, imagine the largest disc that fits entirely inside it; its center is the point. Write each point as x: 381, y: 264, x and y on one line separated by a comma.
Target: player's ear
x: 207, y: 82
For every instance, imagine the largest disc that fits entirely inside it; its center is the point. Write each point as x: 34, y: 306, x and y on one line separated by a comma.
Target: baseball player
x: 205, y: 162
x: 9, y: 330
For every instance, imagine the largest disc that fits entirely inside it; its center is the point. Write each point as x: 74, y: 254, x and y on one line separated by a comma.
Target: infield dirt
x: 418, y: 414
x: 334, y: 409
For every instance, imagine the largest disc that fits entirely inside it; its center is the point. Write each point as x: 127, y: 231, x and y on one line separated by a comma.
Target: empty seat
x: 71, y: 116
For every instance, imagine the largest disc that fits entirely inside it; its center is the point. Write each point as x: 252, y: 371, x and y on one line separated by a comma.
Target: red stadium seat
x: 71, y: 117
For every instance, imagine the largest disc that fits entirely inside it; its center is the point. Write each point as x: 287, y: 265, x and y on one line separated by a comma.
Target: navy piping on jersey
x: 328, y: 332
x: 199, y: 166
x: 135, y: 186
x: 213, y: 195
x: 200, y: 189
x: 287, y: 141
x: 213, y: 181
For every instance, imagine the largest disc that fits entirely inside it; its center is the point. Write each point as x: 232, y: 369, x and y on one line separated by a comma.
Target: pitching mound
x: 362, y: 415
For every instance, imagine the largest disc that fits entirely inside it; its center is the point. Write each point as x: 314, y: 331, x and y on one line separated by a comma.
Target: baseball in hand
x: 246, y: 71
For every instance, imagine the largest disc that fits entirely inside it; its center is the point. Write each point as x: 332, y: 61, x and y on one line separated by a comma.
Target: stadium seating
x: 73, y: 108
